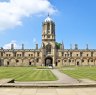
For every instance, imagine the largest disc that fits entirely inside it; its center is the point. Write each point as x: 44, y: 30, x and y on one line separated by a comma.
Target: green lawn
x: 80, y: 72
x: 26, y: 74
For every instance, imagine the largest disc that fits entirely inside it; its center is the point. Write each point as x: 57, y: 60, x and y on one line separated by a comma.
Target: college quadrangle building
x: 49, y: 54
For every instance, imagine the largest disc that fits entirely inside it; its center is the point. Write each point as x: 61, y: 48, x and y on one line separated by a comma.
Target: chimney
x: 62, y: 45
x: 36, y: 46
x: 70, y: 46
x: 12, y: 46
x: 2, y: 48
x: 76, y: 46
x: 87, y: 47
x: 22, y: 46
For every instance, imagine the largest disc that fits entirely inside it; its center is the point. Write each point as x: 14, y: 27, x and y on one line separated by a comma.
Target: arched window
x: 48, y: 27
x: 48, y: 49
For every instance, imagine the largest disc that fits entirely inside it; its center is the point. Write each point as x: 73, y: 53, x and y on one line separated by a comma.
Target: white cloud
x: 11, y: 12
x: 8, y: 45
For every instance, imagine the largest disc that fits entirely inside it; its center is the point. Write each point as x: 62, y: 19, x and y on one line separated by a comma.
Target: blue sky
x: 75, y: 24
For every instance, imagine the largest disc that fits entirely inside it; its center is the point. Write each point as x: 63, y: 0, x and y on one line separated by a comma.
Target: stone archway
x: 48, y: 61
x: 78, y: 63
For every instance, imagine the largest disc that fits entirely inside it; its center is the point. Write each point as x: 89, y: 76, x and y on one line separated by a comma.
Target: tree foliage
x: 58, y: 45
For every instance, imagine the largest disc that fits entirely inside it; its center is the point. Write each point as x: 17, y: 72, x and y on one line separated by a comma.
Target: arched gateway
x: 48, y: 61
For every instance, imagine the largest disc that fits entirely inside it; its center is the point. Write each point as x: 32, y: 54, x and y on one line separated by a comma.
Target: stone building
x: 48, y: 54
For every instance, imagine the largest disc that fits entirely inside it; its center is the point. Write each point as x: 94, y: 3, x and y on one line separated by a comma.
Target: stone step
x: 4, y: 81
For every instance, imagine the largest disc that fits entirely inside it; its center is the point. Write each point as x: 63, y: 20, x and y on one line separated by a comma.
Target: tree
x: 58, y: 45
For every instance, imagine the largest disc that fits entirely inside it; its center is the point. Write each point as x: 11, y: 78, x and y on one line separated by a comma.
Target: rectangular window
x: 69, y: 60
x: 31, y: 54
x: 70, y: 54
x: 7, y: 55
x: 58, y: 60
x: 62, y: 53
x: 48, y: 36
x: 17, y: 61
x: 37, y: 60
x: 91, y: 60
x: 82, y: 60
x: 1, y: 53
x: 91, y: 54
x: 65, y: 60
x: 15, y: 54
x: 48, y: 26
x: 38, y: 53
x: 81, y: 53
x: 18, y: 55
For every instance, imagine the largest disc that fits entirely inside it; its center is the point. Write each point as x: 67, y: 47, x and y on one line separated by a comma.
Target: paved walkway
x: 63, y: 78
x: 48, y: 91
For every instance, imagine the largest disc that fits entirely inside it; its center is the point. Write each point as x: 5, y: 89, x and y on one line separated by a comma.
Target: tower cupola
x: 48, y: 30
x: 48, y: 19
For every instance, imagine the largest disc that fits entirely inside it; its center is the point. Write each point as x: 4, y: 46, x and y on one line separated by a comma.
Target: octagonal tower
x: 48, y: 42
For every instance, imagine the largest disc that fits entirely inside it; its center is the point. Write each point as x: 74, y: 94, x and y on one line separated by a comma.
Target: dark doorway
x: 78, y: 63
x: 29, y: 63
x: 8, y: 63
x: 56, y: 63
x: 0, y: 62
x: 48, y: 61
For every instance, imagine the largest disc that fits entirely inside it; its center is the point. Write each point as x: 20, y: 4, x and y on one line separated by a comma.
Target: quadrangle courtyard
x: 45, y: 74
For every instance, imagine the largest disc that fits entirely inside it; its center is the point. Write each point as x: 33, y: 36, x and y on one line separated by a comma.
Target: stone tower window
x: 48, y: 27
x: 48, y: 49
x: 48, y: 36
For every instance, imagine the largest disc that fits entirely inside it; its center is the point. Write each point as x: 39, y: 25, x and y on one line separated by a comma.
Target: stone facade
x: 48, y: 54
